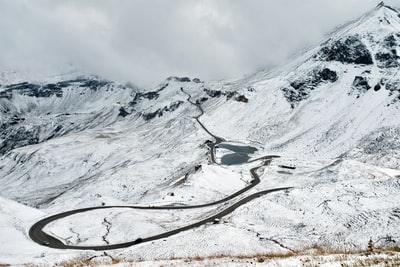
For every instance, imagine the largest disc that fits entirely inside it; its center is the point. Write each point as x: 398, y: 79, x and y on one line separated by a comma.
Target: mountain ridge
x: 331, y: 115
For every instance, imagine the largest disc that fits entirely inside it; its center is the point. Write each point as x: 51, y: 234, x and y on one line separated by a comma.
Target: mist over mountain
x: 146, y: 41
x: 298, y: 158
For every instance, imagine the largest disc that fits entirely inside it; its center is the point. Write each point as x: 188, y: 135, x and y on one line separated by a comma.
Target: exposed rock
x: 16, y: 130
x: 162, y: 87
x: 148, y: 95
x: 152, y: 95
x: 58, y: 128
x: 348, y: 50
x: 197, y: 80
x: 201, y: 100
x: 390, y: 41
x: 17, y: 138
x: 6, y: 95
x: 229, y: 94
x: 123, y: 112
x: 217, y: 93
x: 32, y: 90
x: 93, y: 84
x: 48, y: 90
x: 300, y: 89
x: 393, y: 86
x: 360, y: 83
x: 25, y: 88
x: 159, y: 112
x: 212, y: 93
x: 197, y: 167
x: 242, y: 98
x: 179, y: 79
x: 326, y: 75
x: 387, y: 59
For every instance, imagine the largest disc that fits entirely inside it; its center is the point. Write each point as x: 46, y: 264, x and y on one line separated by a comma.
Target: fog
x: 145, y: 41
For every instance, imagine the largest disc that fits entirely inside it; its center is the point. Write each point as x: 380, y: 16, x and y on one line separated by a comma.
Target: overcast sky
x: 145, y: 41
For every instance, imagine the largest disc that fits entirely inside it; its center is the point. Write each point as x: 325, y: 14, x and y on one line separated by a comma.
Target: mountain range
x: 76, y: 140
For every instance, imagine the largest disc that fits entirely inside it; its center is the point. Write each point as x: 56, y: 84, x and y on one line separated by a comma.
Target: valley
x: 296, y: 160
x: 38, y: 235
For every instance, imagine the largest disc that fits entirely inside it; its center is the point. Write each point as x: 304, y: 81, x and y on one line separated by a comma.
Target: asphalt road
x: 38, y: 235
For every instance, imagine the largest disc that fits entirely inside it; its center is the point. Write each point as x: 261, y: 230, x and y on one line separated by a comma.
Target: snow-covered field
x: 97, y: 143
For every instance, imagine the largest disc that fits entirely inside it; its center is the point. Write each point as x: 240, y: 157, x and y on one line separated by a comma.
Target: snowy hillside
x: 333, y: 96
x: 76, y: 141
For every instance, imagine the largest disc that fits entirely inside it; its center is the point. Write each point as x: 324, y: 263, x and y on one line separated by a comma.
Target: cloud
x: 145, y: 41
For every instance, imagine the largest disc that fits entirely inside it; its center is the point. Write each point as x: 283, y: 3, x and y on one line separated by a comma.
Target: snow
x: 118, y: 225
x: 341, y: 142
x: 16, y: 246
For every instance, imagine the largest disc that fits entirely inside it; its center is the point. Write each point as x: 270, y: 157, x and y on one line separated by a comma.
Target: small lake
x: 239, y: 156
x: 238, y: 149
x: 234, y: 159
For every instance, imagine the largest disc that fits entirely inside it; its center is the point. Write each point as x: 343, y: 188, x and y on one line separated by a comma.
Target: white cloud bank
x: 145, y: 41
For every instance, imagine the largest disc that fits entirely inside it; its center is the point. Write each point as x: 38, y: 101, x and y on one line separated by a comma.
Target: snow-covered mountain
x: 34, y: 112
x: 76, y: 141
x: 329, y: 98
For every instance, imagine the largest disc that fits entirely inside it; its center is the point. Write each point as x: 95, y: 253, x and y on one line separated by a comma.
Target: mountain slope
x: 328, y: 99
x: 35, y: 112
x: 331, y: 115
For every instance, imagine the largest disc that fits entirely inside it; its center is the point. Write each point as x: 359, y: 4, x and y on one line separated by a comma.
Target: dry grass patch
x: 385, y: 256
x: 371, y: 260
x: 90, y: 262
x: 308, y: 257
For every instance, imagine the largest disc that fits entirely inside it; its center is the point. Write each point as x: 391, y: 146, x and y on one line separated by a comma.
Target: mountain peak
x: 382, y: 18
x: 381, y: 4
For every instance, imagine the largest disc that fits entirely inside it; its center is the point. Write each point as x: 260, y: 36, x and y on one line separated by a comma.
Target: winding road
x: 38, y: 235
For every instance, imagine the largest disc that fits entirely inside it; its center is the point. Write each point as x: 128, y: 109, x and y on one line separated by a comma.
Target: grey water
x: 234, y: 159
x: 238, y: 149
x: 239, y: 156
